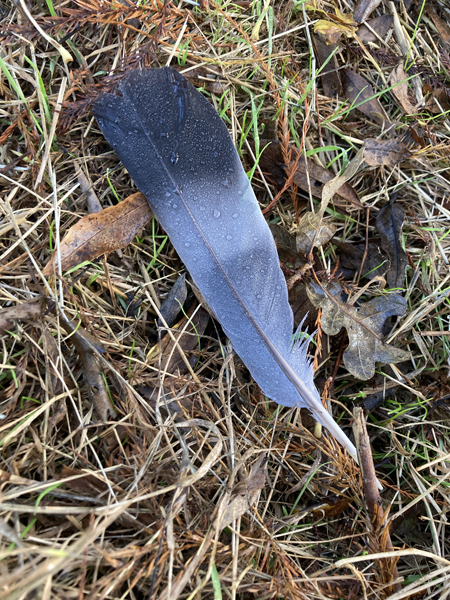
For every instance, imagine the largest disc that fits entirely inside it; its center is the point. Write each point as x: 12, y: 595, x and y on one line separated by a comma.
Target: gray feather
x: 180, y: 155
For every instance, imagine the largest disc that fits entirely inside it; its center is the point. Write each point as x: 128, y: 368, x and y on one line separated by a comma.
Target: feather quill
x: 180, y: 155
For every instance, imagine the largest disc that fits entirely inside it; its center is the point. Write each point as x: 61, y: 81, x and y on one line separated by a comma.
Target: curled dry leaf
x: 103, y: 232
x: 385, y: 152
x: 389, y: 223
x: 361, y: 95
x: 309, y: 176
x: 29, y: 310
x: 364, y: 324
x: 340, y: 24
x: 333, y: 31
x: 399, y: 82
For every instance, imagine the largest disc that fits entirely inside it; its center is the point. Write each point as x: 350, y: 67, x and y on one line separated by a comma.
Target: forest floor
x: 142, y: 463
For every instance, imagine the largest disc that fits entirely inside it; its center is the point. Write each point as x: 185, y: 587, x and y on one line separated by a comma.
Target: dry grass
x: 155, y: 503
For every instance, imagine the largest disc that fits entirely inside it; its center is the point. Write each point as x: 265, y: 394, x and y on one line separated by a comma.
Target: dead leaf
x: 312, y: 229
x: 364, y: 8
x: 330, y: 80
x: 439, y: 101
x: 351, y: 256
x: 361, y: 95
x: 28, y: 310
x: 86, y: 346
x: 187, y: 334
x: 103, y: 232
x: 174, y: 301
x: 389, y: 223
x: 304, y: 311
x: 332, y: 30
x: 246, y: 492
x: 380, y: 25
x: 399, y: 84
x: 364, y: 324
x: 385, y: 152
x: 308, y: 176
x: 442, y: 27
x: 331, y: 187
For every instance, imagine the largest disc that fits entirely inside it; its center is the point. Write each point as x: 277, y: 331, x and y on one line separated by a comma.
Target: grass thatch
x: 221, y: 494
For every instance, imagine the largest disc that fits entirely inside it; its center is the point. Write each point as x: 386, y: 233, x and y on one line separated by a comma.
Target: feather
x: 180, y: 155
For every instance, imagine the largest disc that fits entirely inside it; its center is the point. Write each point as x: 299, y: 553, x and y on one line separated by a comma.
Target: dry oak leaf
x: 99, y: 233
x: 399, y: 82
x: 364, y: 325
x: 385, y: 152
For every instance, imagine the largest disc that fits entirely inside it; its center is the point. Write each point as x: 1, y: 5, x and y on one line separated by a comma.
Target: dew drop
x: 202, y: 207
x: 187, y: 244
x: 174, y: 205
x: 216, y: 213
x: 240, y: 192
x: 168, y: 194
x: 229, y: 237
x: 235, y: 215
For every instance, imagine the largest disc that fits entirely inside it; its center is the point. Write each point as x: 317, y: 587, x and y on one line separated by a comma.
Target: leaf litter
x: 133, y: 491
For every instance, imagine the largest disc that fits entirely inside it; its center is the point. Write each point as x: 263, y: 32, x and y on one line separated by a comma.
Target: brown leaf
x: 399, y: 82
x: 360, y: 93
x: 29, y: 310
x: 380, y: 25
x: 331, y: 82
x: 86, y: 345
x: 100, y: 233
x: 438, y: 102
x: 174, y: 301
x: 312, y: 229
x: 186, y: 333
x: 245, y: 493
x: 385, y: 152
x: 364, y: 325
x: 442, y: 27
x: 389, y: 223
x: 351, y: 256
x: 364, y: 8
x: 307, y: 176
